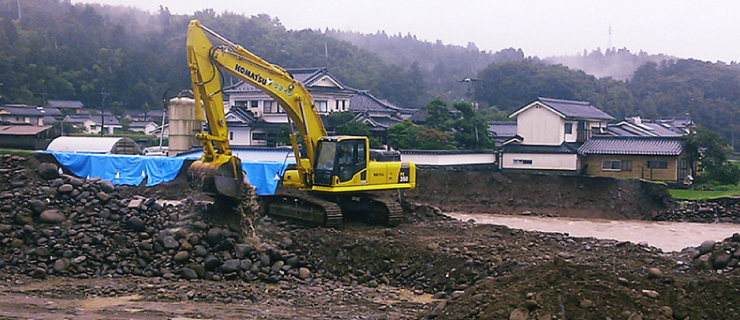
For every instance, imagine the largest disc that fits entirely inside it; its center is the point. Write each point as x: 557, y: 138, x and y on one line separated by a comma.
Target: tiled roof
x: 21, y: 110
x: 139, y: 124
x: 649, y: 146
x: 22, y: 130
x: 307, y: 75
x: 576, y: 109
x: 565, y: 148
x: 502, y: 129
x: 65, y: 104
x: 242, y: 116
x: 364, y: 101
x: 81, y: 118
x: 381, y: 122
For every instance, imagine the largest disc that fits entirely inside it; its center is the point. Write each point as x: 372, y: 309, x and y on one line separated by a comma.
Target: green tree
x: 409, y: 136
x: 707, y: 148
x: 471, y: 131
x: 356, y: 128
x: 438, y: 114
x: 338, y: 119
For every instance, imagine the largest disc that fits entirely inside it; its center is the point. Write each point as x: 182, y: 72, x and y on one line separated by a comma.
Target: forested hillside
x: 52, y: 49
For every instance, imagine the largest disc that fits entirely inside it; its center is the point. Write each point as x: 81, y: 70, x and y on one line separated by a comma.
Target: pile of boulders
x: 56, y: 224
x: 719, y: 210
x: 723, y: 256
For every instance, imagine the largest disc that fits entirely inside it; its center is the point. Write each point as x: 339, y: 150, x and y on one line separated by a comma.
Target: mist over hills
x: 58, y: 50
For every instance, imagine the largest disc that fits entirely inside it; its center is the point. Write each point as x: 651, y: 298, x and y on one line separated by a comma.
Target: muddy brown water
x: 668, y: 236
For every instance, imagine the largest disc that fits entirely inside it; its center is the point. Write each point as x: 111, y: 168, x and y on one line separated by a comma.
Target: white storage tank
x: 183, y: 125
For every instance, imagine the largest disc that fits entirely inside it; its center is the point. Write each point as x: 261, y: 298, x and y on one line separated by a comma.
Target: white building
x: 549, y: 132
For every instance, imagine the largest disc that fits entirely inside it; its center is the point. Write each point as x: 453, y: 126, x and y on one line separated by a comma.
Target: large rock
x: 48, y: 170
x: 181, y: 257
x: 706, y: 246
x: 189, y: 274
x: 107, y: 186
x: 136, y: 224
x: 52, y: 216
x: 231, y: 265
x: 66, y: 188
x: 37, y: 206
x: 61, y: 264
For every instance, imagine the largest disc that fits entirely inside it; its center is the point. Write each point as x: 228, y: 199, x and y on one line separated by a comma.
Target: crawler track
x: 303, y: 209
x: 330, y: 210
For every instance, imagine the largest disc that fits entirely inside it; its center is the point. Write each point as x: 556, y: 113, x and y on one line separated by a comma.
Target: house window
x: 322, y: 105
x: 268, y: 106
x: 259, y: 135
x: 254, y: 104
x: 568, y: 128
x: 657, y: 164
x: 231, y: 135
x: 611, y: 165
x: 523, y: 161
x: 626, y: 165
x: 340, y: 104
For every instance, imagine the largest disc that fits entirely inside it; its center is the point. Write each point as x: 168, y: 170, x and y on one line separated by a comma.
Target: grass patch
x: 17, y: 152
x: 702, y: 195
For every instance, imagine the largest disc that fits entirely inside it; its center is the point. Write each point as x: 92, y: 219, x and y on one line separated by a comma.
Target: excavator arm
x: 206, y: 59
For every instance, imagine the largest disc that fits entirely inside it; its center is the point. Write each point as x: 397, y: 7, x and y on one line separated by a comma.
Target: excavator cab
x: 340, y: 159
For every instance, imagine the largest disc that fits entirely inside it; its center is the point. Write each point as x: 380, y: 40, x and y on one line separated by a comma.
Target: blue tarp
x: 121, y: 169
x: 262, y: 175
x: 131, y: 170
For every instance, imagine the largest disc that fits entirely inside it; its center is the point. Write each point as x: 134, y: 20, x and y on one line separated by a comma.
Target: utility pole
x: 102, y: 111
x: 19, y: 10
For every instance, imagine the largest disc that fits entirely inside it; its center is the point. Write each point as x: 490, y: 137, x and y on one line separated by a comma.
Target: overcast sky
x: 705, y: 30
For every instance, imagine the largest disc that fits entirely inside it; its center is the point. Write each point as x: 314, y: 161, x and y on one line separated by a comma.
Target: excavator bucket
x: 220, y: 178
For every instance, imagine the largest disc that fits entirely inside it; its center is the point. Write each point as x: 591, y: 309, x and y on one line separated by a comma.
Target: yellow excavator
x: 333, y: 175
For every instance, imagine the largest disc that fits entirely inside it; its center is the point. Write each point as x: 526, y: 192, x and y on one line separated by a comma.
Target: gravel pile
x: 56, y: 224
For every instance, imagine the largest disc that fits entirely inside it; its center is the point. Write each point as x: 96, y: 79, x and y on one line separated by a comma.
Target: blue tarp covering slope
x: 121, y: 169
x: 262, y: 175
x: 131, y: 170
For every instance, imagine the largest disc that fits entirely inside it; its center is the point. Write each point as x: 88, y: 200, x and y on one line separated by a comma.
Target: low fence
x: 452, y: 158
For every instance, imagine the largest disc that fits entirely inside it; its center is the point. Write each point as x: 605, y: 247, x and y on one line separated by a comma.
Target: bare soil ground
x: 430, y: 266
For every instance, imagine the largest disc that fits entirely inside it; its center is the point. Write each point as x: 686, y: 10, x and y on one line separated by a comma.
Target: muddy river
x: 668, y: 236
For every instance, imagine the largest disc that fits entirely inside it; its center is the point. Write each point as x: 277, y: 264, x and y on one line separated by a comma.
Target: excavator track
x: 329, y: 210
x: 303, y: 209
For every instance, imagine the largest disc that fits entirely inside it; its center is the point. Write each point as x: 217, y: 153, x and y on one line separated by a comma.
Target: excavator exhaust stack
x: 219, y: 178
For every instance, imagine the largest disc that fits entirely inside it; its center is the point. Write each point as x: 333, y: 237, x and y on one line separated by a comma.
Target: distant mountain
x: 618, y: 64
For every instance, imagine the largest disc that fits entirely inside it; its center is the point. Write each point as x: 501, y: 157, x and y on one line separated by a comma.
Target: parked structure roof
x: 653, y: 146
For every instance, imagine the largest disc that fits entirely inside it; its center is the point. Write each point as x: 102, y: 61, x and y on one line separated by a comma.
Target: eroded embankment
x: 549, y: 195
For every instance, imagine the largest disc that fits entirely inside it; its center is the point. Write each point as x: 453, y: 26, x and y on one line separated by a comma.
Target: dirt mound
x: 546, y: 195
